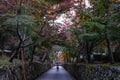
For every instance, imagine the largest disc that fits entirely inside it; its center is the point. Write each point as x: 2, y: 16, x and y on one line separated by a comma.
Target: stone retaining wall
x: 10, y: 72
x: 94, y: 72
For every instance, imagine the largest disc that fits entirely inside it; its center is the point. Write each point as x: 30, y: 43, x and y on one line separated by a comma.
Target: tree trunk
x: 18, y: 11
x: 86, y: 52
x: 23, y: 64
x: 33, y: 52
x: 111, y: 58
x: 107, y: 4
x: 16, y: 53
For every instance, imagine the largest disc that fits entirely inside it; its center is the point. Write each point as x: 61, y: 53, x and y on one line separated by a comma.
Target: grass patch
x: 4, y: 60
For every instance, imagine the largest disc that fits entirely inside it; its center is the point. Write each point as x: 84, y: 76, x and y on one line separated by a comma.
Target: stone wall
x: 93, y: 72
x: 10, y: 72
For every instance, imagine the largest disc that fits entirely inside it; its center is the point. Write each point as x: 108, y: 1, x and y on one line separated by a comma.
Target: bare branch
x: 18, y: 30
x: 9, y: 4
x: 23, y: 46
x: 26, y: 38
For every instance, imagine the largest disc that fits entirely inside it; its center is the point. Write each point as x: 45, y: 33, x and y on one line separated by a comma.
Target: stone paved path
x: 53, y: 74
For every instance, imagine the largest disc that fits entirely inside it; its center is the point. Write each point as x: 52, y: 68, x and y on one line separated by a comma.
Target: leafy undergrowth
x: 4, y: 60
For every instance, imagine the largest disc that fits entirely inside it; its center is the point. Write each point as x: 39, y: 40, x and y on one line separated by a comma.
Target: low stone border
x: 10, y: 72
x: 93, y: 72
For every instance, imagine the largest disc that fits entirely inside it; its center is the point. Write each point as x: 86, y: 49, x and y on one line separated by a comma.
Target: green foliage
x: 26, y: 23
x: 23, y: 20
x: 114, y: 20
x: 100, y: 6
x: 51, y: 1
x: 6, y: 16
x: 26, y: 9
x: 95, y: 22
x: 4, y: 60
x: 4, y: 35
x: 93, y: 27
x: 114, y: 33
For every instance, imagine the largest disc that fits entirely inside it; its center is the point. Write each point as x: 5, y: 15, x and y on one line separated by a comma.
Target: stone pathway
x: 53, y: 74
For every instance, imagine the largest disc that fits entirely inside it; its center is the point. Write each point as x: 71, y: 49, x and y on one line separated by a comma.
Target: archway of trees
x: 72, y: 31
x: 29, y: 27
